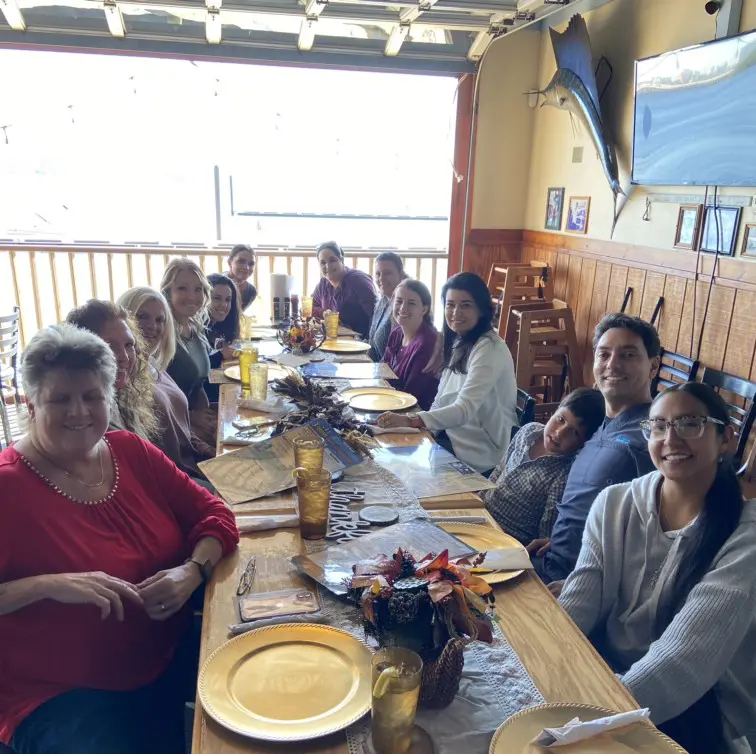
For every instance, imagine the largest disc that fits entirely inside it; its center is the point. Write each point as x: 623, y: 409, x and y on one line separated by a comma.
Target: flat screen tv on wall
x: 695, y: 115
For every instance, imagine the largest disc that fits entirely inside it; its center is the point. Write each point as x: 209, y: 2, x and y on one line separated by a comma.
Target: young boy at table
x: 531, y: 478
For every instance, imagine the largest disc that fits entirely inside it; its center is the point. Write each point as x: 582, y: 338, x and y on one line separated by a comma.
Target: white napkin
x: 575, y: 731
x: 271, y: 406
x: 292, y: 360
x: 394, y: 430
x: 247, y: 524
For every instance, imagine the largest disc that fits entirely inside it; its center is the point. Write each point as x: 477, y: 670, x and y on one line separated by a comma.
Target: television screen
x: 695, y: 116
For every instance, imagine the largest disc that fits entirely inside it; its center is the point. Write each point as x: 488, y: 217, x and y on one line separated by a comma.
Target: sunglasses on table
x: 685, y: 427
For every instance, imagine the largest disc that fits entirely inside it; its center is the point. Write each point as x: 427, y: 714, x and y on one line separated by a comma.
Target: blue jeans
x: 149, y: 720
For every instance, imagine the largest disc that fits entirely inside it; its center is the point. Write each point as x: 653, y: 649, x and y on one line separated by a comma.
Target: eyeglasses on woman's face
x: 685, y: 427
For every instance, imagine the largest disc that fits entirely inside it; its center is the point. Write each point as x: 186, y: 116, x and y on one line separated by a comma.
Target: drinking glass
x: 313, y: 494
x: 395, y: 699
x: 307, y: 307
x: 258, y: 381
x: 308, y: 454
x: 331, y: 320
x: 247, y: 356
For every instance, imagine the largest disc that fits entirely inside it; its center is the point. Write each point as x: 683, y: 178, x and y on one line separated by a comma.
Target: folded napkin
x: 291, y: 360
x: 393, y: 430
x: 246, y: 524
x: 271, y: 406
x: 575, y: 731
x: 234, y: 440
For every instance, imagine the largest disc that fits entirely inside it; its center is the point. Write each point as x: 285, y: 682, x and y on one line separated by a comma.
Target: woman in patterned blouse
x: 530, y: 479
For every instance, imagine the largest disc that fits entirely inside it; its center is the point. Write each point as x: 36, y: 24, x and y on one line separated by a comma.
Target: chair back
x: 740, y: 396
x: 525, y: 407
x: 674, y: 369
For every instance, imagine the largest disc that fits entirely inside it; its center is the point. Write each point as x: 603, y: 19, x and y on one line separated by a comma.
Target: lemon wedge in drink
x: 384, y: 680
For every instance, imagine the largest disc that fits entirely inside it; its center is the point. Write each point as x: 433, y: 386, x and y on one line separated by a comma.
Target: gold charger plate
x: 515, y: 735
x: 275, y: 372
x: 378, y: 399
x: 484, y: 538
x: 344, y: 345
x: 291, y: 682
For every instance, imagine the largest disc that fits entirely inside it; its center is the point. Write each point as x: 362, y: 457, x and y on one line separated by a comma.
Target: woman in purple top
x: 411, y: 345
x: 344, y: 290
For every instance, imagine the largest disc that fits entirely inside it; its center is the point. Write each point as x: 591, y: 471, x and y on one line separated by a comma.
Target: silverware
x: 242, y: 628
x: 459, y: 520
x: 247, y: 577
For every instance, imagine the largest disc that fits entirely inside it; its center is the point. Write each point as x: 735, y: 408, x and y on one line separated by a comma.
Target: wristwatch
x: 205, y: 569
x: 415, y: 421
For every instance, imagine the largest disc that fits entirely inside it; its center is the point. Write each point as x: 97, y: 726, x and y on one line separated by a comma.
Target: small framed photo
x: 720, y: 230
x: 688, y: 226
x: 554, y: 207
x: 749, y: 241
x: 577, y: 214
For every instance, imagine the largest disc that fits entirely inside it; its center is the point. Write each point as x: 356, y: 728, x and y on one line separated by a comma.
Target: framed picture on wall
x: 720, y: 230
x: 688, y: 226
x: 554, y: 207
x: 577, y: 214
x: 749, y: 241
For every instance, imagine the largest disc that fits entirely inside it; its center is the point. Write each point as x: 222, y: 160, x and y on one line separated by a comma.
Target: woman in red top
x: 102, y: 542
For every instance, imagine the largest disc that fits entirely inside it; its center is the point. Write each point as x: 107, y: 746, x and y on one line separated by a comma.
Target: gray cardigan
x: 625, y: 570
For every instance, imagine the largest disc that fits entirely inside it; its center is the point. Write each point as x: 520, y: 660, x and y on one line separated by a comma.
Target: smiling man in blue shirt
x: 626, y: 359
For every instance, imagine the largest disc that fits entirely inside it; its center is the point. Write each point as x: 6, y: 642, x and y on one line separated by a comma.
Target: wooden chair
x: 674, y: 369
x: 547, y: 353
x: 515, y: 284
x: 742, y: 416
x: 9, y: 338
x: 525, y: 410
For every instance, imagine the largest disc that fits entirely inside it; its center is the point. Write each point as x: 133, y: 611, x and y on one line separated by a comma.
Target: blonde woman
x: 153, y: 316
x: 187, y: 291
x: 134, y: 399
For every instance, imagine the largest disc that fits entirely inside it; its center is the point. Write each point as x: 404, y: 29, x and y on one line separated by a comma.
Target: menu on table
x: 333, y: 566
x: 266, y: 467
x: 428, y: 470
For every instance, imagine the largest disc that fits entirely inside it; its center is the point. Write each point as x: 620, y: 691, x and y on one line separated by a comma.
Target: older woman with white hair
x: 151, y: 312
x: 102, y: 543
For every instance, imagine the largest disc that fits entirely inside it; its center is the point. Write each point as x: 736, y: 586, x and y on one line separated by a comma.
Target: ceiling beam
x: 408, y: 15
x: 396, y: 40
x: 307, y: 34
x: 114, y: 18
x: 314, y: 8
x: 13, y: 15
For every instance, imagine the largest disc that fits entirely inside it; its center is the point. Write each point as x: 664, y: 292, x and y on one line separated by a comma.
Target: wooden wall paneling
x: 617, y: 286
x: 598, y: 309
x: 692, y: 317
x: 716, y: 325
x: 636, y: 279
x: 561, y: 271
x: 741, y: 340
x: 572, y: 289
x: 583, y: 308
x: 672, y: 311
x: 653, y: 289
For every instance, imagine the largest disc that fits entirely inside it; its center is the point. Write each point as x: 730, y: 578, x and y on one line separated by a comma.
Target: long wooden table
x: 562, y: 663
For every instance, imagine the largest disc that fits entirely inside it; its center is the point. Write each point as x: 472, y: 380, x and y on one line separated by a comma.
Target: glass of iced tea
x: 313, y: 498
x: 397, y: 674
x: 308, y: 454
x: 331, y: 320
x: 258, y: 381
x: 248, y: 354
x: 307, y: 307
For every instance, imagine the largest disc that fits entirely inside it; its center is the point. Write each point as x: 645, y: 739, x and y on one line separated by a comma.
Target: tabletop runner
x: 495, y: 684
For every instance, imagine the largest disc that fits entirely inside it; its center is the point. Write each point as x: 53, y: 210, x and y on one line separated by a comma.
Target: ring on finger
x: 162, y: 606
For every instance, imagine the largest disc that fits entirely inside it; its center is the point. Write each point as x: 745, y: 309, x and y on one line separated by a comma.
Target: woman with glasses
x: 665, y: 582
x: 241, y: 266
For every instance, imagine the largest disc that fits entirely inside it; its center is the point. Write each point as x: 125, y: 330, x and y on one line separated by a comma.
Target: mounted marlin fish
x: 573, y: 89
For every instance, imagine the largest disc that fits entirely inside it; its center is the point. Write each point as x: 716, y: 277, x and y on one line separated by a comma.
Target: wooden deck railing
x: 47, y: 280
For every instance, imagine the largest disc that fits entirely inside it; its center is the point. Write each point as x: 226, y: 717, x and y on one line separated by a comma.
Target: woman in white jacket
x: 475, y: 407
x: 666, y: 579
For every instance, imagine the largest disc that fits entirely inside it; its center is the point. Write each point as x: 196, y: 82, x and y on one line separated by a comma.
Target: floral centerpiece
x: 301, y: 335
x: 434, y: 607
